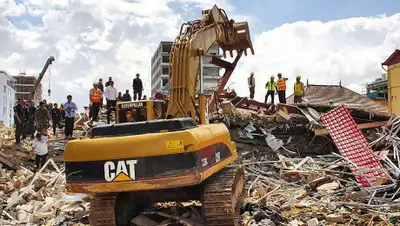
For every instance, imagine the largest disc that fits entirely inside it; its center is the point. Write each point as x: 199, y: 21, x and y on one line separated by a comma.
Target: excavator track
x: 102, y: 210
x: 221, y: 200
x: 222, y: 197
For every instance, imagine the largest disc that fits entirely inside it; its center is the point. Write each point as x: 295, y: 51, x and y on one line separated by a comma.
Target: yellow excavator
x: 165, y: 153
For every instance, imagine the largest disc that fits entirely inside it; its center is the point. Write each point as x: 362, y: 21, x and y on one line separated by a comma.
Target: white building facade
x: 7, y: 99
x: 160, y: 63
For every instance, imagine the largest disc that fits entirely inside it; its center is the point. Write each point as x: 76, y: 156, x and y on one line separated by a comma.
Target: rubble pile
x: 295, y: 175
x: 41, y: 198
x: 312, y: 191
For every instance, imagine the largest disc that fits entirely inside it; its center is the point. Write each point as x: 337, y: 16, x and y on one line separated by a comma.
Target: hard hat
x: 252, y: 73
x: 272, y: 76
x: 95, y: 83
x: 298, y: 76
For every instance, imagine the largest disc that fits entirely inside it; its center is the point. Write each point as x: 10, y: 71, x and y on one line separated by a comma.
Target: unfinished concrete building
x: 24, y: 85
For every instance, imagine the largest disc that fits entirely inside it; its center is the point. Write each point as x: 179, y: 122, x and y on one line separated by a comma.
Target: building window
x: 166, y: 48
x: 210, y: 71
x: 164, y: 81
x: 165, y: 59
x: 165, y: 71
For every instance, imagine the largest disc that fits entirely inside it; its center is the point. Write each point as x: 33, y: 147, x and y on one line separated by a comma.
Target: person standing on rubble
x: 111, y: 96
x: 39, y: 147
x: 298, y: 90
x: 137, y: 88
x: 109, y: 81
x: 56, y: 117
x: 62, y: 111
x: 101, y: 87
x: 20, y: 120
x: 120, y: 97
x: 271, y: 89
x: 126, y: 96
x: 252, y: 84
x: 281, y: 87
x: 69, y: 109
x: 30, y: 116
x: 95, y: 98
x: 42, y: 117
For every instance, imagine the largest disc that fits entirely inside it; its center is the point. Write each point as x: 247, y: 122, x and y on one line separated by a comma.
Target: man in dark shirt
x: 20, y: 120
x: 30, y: 116
x: 101, y: 87
x: 126, y: 96
x: 56, y: 117
x: 119, y: 97
x: 109, y: 81
x: 137, y: 88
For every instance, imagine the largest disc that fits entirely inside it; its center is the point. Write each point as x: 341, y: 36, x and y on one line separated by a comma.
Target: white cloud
x: 350, y: 50
x: 10, y: 8
x: 101, y: 38
x: 90, y: 39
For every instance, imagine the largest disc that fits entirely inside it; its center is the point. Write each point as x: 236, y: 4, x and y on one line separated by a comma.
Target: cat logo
x: 122, y: 171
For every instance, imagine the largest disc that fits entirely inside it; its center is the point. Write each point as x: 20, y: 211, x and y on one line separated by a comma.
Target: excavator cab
x: 139, y: 111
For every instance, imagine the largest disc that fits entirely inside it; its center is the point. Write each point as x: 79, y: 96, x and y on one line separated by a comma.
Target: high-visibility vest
x: 281, y: 84
x: 298, y: 89
x: 96, y: 96
x: 271, y: 86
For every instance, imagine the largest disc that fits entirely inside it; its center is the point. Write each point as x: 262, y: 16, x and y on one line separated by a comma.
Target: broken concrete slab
x: 142, y: 220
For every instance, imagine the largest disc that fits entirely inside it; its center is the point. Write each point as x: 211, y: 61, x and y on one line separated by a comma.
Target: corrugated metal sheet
x: 331, y: 95
x: 353, y: 145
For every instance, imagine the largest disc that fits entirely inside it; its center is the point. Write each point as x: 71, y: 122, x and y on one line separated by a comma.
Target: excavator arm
x: 187, y: 49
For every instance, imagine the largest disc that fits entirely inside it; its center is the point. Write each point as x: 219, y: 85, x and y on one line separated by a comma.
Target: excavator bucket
x: 241, y: 40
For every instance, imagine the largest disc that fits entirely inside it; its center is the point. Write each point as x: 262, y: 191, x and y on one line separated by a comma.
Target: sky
x: 325, y: 41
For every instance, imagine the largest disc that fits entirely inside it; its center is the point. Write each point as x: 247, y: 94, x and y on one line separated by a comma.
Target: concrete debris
x: 297, y: 178
x: 30, y: 198
x: 142, y: 220
x: 293, y: 177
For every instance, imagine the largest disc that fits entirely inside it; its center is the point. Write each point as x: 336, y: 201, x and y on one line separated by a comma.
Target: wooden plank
x: 323, y: 132
x: 6, y: 160
x: 283, y: 115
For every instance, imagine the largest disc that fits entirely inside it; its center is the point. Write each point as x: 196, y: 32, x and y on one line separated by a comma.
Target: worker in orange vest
x: 95, y: 101
x: 281, y: 87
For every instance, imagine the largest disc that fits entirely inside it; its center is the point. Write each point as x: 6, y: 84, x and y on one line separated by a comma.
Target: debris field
x: 311, y: 165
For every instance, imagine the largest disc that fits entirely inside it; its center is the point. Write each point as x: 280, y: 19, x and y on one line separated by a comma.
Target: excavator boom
x: 199, y: 35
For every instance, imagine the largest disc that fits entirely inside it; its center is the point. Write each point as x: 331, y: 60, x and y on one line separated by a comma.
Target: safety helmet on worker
x: 252, y: 73
x: 298, y: 76
x: 272, y: 77
x: 94, y: 83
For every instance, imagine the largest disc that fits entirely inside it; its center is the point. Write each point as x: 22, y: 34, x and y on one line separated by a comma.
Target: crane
x: 41, y: 74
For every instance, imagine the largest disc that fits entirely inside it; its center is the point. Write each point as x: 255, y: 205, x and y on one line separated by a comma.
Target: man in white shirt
x: 111, y: 97
x: 39, y: 147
